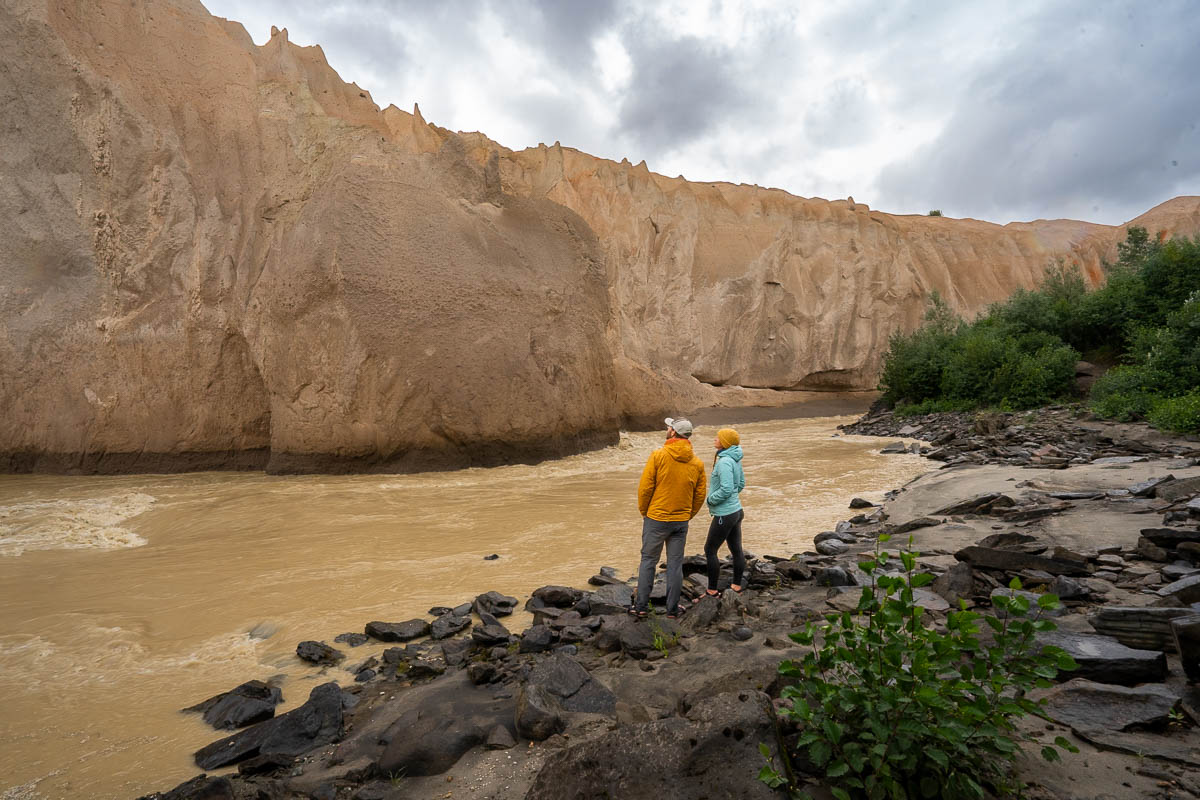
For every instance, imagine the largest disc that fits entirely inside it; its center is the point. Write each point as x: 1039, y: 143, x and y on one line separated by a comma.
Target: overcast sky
x: 1000, y: 111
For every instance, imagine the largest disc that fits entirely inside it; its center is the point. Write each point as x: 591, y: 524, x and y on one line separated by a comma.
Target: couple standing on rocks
x: 672, y: 490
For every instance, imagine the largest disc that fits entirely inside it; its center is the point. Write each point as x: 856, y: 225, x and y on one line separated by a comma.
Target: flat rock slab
x: 253, y: 701
x: 1104, y: 659
x: 1171, y: 537
x: 1178, y: 490
x: 979, y: 504
x: 447, y: 625
x: 1015, y: 561
x: 1089, y: 706
x: 915, y: 524
x: 1182, y: 592
x: 397, y: 631
x: 1023, y: 513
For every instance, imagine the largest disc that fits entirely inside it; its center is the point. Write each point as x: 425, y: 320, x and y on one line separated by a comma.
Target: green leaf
x: 1048, y: 601
x: 840, y: 794
x: 819, y: 752
x: 885, y: 537
x: 766, y: 751
x: 923, y: 579
x: 938, y: 756
x: 837, y: 769
x: 1015, y: 584
x: 1050, y: 754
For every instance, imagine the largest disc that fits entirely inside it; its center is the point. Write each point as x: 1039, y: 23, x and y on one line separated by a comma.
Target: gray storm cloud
x: 1079, y: 109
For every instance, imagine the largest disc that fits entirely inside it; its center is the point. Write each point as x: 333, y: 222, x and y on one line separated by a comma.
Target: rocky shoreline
x: 588, y: 702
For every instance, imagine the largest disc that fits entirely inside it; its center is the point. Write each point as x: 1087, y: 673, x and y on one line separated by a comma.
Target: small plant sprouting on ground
x: 889, y: 708
x: 660, y: 641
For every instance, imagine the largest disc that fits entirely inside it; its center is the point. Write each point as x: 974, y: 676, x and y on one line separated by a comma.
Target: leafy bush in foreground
x: 887, y: 707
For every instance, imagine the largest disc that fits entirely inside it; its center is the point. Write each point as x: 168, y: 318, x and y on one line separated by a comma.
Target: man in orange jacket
x: 671, y: 492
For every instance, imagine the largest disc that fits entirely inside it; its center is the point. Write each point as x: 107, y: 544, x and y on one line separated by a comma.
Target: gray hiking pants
x: 654, y: 535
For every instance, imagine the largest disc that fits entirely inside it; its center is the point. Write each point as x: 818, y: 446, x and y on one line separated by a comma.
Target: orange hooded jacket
x: 673, y: 483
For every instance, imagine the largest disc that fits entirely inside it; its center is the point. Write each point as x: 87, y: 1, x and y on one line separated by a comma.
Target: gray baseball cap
x: 681, y: 425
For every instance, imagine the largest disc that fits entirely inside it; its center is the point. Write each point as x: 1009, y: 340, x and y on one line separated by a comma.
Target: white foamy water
x: 126, y: 598
x: 72, y: 524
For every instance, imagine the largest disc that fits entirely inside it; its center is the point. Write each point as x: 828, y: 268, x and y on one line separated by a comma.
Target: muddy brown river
x: 123, y: 599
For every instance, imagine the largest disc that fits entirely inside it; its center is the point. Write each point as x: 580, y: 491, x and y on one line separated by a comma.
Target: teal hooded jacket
x: 728, y: 480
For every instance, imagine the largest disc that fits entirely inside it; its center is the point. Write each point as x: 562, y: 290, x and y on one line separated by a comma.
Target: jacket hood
x: 734, y: 452
x: 679, y: 449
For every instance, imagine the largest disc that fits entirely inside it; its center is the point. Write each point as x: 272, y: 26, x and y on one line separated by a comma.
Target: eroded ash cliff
x: 218, y: 255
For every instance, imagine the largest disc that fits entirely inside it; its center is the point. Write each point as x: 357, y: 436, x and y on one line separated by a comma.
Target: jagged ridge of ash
x: 222, y: 255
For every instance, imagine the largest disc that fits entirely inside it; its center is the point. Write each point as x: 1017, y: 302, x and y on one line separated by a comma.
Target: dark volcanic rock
x: 611, y: 599
x: 1015, y: 560
x: 572, y: 685
x: 352, y: 639
x: 443, y: 722
x: 398, y: 631
x: 956, y: 583
x: 835, y: 576
x: 490, y: 635
x: 537, y: 639
x: 318, y: 653
x: 455, y: 651
x: 447, y: 625
x: 539, y: 715
x: 558, y: 596
x: 500, y: 739
x: 317, y: 722
x: 1106, y: 660
x: 422, y: 668
x: 253, y: 701
x: 674, y: 757
x: 494, y: 603
x: 201, y: 787
x: 831, y: 547
x: 858, y: 502
x: 634, y: 637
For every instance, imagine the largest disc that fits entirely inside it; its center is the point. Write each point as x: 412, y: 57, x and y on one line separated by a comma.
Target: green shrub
x: 937, y: 212
x: 912, y: 366
x: 934, y: 407
x: 887, y: 707
x: 1122, y: 394
x: 1035, y: 379
x: 1179, y: 414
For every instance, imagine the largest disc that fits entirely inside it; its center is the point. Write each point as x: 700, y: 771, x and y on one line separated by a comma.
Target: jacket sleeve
x: 701, y: 489
x: 646, y: 485
x: 722, y: 485
x: 741, y: 479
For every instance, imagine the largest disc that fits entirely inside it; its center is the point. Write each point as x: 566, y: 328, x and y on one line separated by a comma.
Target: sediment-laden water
x: 124, y: 598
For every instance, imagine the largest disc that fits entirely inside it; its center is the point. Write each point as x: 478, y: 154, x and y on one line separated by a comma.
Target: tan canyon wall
x: 221, y: 255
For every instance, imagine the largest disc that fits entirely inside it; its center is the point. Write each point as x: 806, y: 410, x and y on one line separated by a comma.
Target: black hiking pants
x: 726, y: 529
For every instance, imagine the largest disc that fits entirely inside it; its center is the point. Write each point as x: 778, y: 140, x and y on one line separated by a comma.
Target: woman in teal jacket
x: 725, y: 505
